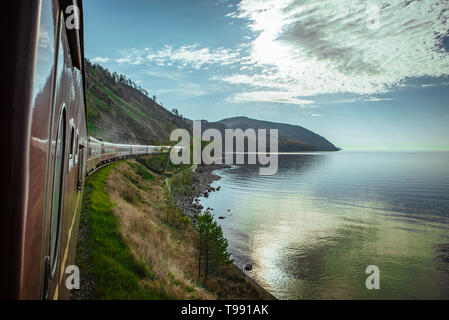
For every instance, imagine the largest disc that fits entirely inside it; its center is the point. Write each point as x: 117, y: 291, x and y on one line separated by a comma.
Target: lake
x: 311, y: 230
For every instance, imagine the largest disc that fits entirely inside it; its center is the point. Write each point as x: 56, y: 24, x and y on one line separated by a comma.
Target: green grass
x: 161, y: 164
x: 110, y: 262
x: 131, y: 110
x: 154, y: 163
x: 141, y: 171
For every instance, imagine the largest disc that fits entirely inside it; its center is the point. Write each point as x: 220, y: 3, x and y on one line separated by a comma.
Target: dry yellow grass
x: 168, y: 251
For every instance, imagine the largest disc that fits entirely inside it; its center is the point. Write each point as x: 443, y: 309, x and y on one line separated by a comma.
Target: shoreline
x: 202, y: 178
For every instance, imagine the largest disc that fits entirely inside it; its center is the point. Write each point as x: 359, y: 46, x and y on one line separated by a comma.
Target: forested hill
x: 291, y: 137
x: 120, y: 111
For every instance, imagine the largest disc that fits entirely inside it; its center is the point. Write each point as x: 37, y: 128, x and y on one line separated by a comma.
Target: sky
x: 366, y: 75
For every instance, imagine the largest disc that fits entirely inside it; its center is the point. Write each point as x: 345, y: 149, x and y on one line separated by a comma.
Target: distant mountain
x: 120, y: 111
x: 291, y: 138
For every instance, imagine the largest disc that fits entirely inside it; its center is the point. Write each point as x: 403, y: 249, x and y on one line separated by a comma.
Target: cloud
x: 375, y: 99
x: 360, y: 99
x: 99, y: 60
x: 184, y: 56
x: 427, y: 85
x: 316, y: 115
x: 269, y: 96
x: 306, y: 48
x: 193, y: 56
x: 132, y: 56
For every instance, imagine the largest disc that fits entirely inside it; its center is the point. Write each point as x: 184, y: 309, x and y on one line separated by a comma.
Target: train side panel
x: 71, y: 86
x: 43, y: 130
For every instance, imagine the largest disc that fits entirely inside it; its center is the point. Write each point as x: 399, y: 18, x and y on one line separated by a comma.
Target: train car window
x: 76, y: 146
x: 81, y: 155
x: 72, y: 147
x: 58, y: 184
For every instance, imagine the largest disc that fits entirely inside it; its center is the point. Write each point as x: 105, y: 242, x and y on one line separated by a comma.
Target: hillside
x: 119, y: 111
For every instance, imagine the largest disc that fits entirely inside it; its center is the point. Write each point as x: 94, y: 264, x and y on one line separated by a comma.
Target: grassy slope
x: 130, y: 251
x: 104, y: 255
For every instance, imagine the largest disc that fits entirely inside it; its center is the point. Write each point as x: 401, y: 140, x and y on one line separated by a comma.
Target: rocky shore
x: 189, y: 204
x: 202, y: 179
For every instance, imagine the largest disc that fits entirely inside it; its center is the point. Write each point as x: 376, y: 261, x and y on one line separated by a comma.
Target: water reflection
x: 311, y: 230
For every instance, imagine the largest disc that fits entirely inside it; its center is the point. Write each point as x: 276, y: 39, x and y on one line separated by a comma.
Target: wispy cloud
x: 132, y: 56
x: 193, y: 56
x: 306, y: 48
x: 427, y: 85
x: 359, y: 99
x: 99, y: 60
x: 269, y: 96
x: 184, y: 56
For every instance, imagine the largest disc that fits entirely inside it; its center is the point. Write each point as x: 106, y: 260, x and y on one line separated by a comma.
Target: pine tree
x: 213, y: 247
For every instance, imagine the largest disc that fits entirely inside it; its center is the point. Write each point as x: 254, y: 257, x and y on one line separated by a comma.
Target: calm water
x: 311, y: 230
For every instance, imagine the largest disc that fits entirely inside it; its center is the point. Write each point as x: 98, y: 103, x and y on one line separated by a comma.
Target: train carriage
x: 109, y: 152
x: 139, y: 150
x: 124, y: 150
x: 94, y: 154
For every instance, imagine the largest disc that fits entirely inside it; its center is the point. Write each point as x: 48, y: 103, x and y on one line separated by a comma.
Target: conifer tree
x: 213, y: 246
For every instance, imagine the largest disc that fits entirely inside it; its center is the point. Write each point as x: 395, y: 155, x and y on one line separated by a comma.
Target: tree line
x: 117, y: 78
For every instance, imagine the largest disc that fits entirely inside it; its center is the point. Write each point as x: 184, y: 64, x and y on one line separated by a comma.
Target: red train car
x: 44, y: 140
x: 46, y: 151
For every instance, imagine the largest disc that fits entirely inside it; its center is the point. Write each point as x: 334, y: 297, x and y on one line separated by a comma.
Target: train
x: 100, y: 153
x: 46, y: 150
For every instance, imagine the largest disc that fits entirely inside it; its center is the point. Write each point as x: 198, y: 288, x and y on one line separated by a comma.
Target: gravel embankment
x: 202, y: 179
